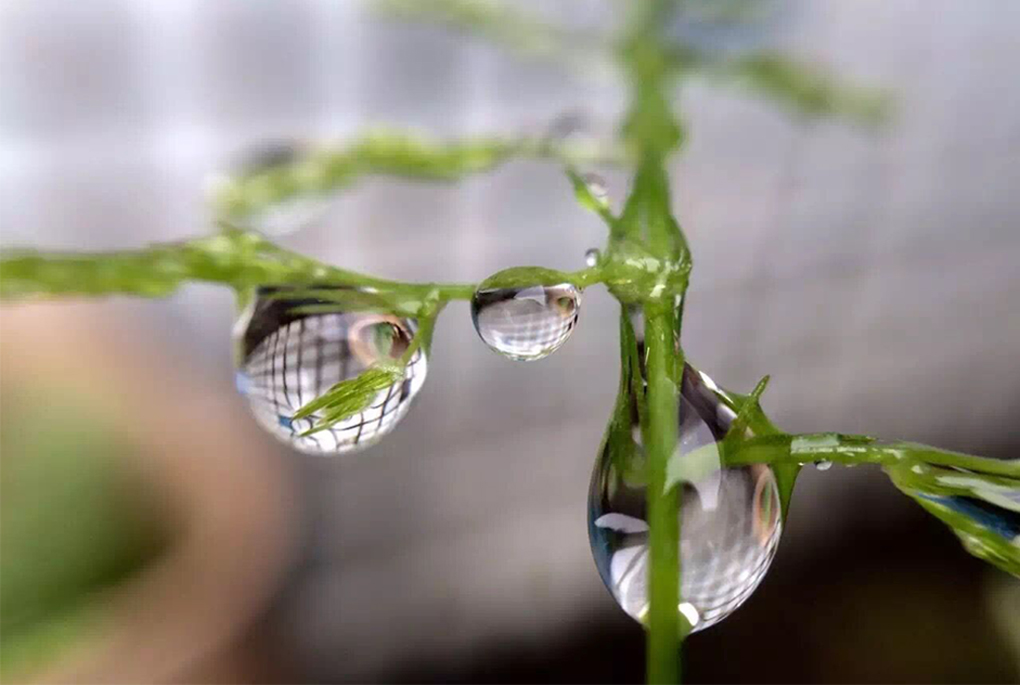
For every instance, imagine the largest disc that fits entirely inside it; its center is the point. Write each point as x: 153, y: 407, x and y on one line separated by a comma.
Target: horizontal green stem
x: 857, y: 449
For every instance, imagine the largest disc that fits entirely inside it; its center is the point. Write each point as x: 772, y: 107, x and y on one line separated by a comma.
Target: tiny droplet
x: 285, y: 216
x: 596, y: 186
x: 526, y: 323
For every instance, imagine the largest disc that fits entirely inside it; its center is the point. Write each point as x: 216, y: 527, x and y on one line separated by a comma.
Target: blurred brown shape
x: 222, y: 491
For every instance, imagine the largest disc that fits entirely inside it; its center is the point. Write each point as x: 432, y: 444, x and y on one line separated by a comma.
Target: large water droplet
x: 288, y: 357
x: 526, y: 323
x: 730, y: 517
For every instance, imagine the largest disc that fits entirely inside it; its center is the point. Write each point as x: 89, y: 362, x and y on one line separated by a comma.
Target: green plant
x: 645, y: 265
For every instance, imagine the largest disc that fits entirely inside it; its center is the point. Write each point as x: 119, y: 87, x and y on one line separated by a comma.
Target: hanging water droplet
x: 280, y: 217
x: 596, y: 186
x: 569, y: 126
x: 289, y: 356
x: 525, y: 323
x: 730, y: 517
x: 823, y: 465
x: 592, y: 256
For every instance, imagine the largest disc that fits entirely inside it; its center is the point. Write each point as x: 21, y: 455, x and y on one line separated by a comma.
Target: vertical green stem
x: 653, y: 133
x: 663, y: 647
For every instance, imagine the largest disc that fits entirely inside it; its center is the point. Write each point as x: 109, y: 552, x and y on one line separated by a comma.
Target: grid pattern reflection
x: 529, y: 323
x: 302, y: 359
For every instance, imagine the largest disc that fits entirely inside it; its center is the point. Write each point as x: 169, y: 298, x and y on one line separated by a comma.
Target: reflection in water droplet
x: 691, y: 614
x: 591, y: 257
x: 526, y: 324
x: 823, y: 465
x: 288, y: 358
x: 730, y: 517
x: 596, y: 186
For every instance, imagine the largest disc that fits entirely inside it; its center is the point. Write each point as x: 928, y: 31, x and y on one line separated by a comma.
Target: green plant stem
x: 652, y: 133
x: 663, y: 653
x: 858, y: 449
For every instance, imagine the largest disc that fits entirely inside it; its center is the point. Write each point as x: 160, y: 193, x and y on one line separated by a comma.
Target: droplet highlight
x: 731, y: 519
x: 823, y: 465
x: 596, y: 186
x: 526, y: 323
x: 291, y: 352
x: 592, y: 256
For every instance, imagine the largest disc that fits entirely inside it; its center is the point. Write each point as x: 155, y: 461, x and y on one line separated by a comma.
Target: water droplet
x: 592, y: 256
x: 823, y: 465
x: 569, y: 125
x: 730, y: 517
x: 289, y: 356
x: 596, y: 186
x: 284, y: 216
x: 526, y: 323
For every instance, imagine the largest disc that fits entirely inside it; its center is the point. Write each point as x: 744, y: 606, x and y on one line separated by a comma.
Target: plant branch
x: 858, y: 449
x: 504, y: 24
x: 323, y: 170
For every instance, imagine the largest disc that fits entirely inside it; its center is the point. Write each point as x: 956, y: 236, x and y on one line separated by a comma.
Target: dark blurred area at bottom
x: 888, y: 600
x: 150, y: 533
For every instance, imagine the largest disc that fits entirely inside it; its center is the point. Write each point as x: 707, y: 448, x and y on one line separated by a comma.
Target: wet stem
x: 663, y: 506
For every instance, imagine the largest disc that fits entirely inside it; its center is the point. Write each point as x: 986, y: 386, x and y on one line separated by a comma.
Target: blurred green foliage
x: 72, y: 523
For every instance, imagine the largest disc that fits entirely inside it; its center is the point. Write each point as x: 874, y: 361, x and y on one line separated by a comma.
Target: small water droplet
x: 592, y: 256
x: 596, y: 186
x: 823, y: 465
x: 285, y: 216
x: 527, y: 323
x: 569, y: 125
x: 288, y: 357
x: 731, y: 518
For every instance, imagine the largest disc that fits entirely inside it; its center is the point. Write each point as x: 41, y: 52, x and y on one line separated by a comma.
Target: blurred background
x: 150, y: 531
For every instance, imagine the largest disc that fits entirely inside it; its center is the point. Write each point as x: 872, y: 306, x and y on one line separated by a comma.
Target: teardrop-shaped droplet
x: 823, y: 465
x: 279, y: 217
x: 596, y: 186
x: 592, y: 256
x: 291, y: 351
x: 526, y: 323
x: 730, y: 518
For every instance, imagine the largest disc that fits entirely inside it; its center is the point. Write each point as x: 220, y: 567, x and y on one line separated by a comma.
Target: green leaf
x: 803, y: 88
x: 347, y: 398
x: 983, y: 510
x: 238, y: 259
x: 585, y: 197
x: 505, y: 24
x: 324, y: 170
